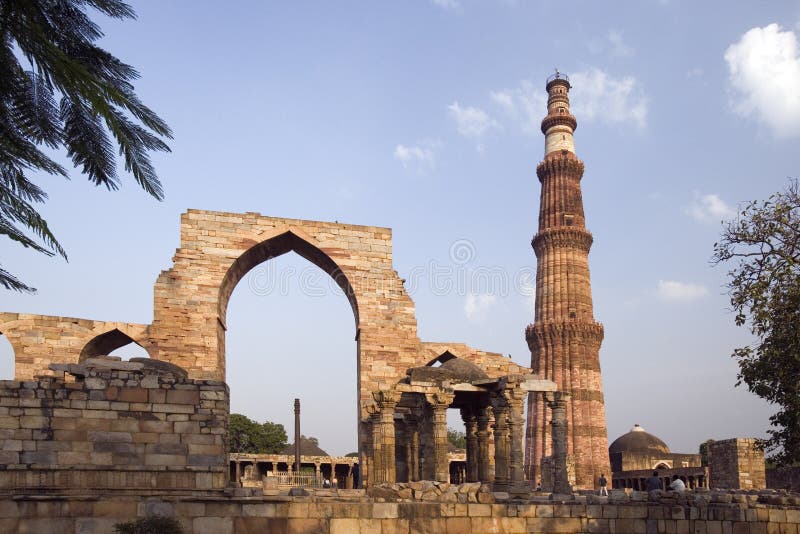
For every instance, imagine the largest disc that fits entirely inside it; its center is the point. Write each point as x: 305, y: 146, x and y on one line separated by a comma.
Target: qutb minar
x: 564, y: 338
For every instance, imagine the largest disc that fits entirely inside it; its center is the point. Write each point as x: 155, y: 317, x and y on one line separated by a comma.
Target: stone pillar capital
x: 385, y: 398
x: 443, y: 397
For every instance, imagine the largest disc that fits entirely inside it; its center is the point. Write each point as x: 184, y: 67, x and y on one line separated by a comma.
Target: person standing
x: 603, y: 484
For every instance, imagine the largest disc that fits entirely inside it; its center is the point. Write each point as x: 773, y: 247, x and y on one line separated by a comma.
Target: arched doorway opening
x: 288, y: 335
x: 6, y: 359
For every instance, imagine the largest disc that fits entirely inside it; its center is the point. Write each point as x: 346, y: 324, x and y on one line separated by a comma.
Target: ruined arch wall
x: 39, y: 340
x: 216, y: 251
x: 190, y: 299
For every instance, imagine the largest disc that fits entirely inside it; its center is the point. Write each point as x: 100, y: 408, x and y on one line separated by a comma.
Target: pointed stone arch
x: 106, y: 343
x: 218, y: 249
x: 282, y: 242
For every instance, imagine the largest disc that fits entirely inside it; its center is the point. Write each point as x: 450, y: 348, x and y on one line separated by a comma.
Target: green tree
x: 763, y: 246
x: 457, y: 438
x: 59, y: 90
x: 246, y: 435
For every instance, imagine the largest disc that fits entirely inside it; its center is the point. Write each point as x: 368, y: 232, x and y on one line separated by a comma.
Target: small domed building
x: 635, y: 455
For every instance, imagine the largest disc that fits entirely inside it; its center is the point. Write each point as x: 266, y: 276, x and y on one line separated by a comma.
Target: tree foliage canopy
x: 457, y: 438
x: 763, y: 246
x: 59, y: 90
x: 246, y: 435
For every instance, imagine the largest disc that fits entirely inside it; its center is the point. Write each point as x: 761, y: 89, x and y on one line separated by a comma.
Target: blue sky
x: 424, y: 116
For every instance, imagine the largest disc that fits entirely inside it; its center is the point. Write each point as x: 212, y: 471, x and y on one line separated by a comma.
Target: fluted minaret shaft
x: 564, y: 338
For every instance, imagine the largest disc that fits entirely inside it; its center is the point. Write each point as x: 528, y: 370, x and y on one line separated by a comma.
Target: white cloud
x: 471, y: 122
x: 599, y: 95
x: 764, y: 77
x: 709, y: 208
x: 448, y: 4
x: 423, y: 157
x: 476, y: 306
x: 617, y: 45
x: 595, y: 96
x: 680, y: 291
x: 525, y: 103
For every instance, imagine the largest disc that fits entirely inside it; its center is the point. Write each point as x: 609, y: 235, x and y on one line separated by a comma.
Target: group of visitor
x: 653, y: 483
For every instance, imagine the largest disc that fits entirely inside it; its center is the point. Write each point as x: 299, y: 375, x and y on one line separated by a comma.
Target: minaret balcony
x: 559, y: 119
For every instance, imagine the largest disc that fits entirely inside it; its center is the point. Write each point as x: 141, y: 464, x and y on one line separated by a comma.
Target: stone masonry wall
x: 736, y: 463
x: 706, y: 514
x: 137, y: 429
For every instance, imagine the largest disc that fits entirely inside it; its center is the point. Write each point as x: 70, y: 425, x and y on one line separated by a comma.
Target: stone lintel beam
x: 466, y: 386
x: 538, y: 384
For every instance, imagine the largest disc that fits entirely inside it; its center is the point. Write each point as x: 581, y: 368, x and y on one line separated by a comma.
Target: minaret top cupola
x: 559, y: 124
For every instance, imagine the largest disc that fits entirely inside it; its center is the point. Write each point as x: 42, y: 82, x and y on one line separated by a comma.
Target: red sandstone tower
x: 564, y: 338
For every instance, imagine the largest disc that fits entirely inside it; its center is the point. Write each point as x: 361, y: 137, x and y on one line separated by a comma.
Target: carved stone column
x: 557, y: 403
x: 482, y: 433
x: 516, y: 423
x: 501, y: 442
x: 376, y: 466
x: 439, y: 402
x: 412, y: 448
x: 387, y: 433
x: 470, y: 418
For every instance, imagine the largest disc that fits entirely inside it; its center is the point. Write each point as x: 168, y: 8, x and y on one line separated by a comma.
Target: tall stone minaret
x: 564, y: 338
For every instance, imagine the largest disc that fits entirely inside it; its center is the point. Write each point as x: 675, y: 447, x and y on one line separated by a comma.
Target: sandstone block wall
x: 736, y: 463
x: 312, y: 515
x: 113, y: 430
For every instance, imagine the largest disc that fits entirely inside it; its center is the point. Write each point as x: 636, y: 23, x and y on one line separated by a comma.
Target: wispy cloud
x: 709, y: 208
x: 471, y: 122
x: 422, y: 157
x: 672, y: 290
x: 764, y: 78
x: 525, y: 103
x: 596, y: 96
x: 617, y: 45
x: 695, y: 72
x: 477, y: 305
x: 604, y: 97
x: 454, y: 5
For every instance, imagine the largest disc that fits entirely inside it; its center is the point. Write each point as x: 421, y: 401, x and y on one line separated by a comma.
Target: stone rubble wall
x: 124, y: 429
x: 352, y: 513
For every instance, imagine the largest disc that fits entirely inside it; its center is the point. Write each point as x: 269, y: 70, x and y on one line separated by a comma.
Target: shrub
x: 150, y: 525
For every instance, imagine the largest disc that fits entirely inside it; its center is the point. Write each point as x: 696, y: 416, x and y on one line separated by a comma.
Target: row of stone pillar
x: 493, y: 421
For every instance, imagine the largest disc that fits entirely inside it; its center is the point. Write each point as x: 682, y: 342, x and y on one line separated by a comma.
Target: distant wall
x: 112, y: 429
x: 784, y: 478
x: 736, y: 463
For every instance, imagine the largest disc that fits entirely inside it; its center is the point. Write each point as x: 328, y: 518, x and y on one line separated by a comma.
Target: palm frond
x: 9, y: 281
x: 87, y: 143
